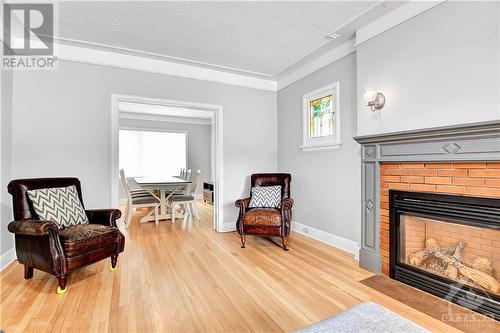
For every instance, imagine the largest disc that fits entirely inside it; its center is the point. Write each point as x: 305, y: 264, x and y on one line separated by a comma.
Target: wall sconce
x: 374, y: 100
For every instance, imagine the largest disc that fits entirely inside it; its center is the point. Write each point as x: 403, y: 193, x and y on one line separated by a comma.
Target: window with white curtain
x: 152, y: 154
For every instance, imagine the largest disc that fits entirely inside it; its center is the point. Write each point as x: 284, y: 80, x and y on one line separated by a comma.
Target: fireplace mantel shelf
x: 474, y: 129
x: 459, y: 143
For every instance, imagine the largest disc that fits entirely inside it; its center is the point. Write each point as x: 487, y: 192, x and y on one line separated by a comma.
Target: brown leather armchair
x: 41, y: 245
x: 267, y: 221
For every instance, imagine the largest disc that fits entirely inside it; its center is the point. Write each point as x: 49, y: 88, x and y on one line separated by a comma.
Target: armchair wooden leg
x: 243, y: 239
x: 284, y: 241
x: 114, y: 259
x: 62, y: 285
x: 28, y: 272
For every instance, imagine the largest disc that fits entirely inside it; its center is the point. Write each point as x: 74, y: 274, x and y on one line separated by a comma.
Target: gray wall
x: 439, y: 68
x: 6, y: 238
x: 199, y: 144
x: 61, y: 125
x: 325, y: 185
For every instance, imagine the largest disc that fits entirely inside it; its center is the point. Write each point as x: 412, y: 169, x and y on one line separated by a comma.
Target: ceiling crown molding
x: 393, y: 18
x: 151, y: 65
x: 317, y: 63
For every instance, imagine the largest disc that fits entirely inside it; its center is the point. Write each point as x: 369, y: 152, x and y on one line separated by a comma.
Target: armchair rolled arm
x: 287, y: 204
x: 242, y: 204
x: 104, y: 216
x: 33, y: 228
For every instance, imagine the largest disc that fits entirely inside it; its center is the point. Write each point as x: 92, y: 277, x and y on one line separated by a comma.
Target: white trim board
x: 228, y: 226
x: 317, y: 63
x: 393, y: 19
x: 7, y: 258
x: 148, y: 64
x: 162, y: 118
x: 217, y: 128
x: 327, y: 238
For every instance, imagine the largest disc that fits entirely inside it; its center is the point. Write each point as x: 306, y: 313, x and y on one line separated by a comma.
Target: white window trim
x: 327, y: 142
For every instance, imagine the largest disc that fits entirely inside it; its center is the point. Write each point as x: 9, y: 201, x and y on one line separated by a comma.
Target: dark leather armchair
x: 41, y: 245
x: 267, y: 221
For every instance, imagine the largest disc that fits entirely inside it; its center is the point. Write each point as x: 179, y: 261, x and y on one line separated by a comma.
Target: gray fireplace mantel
x: 471, y: 142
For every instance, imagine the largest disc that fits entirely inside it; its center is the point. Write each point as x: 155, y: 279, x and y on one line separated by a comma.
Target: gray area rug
x: 365, y: 317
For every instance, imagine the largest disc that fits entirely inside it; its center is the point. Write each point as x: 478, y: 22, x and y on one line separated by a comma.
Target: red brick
x: 412, y: 179
x: 424, y: 172
x: 451, y: 189
x: 439, y: 165
x: 399, y: 186
x: 453, y: 173
x: 399, y: 172
x: 423, y: 187
x: 484, y: 191
x: 493, y: 165
x: 412, y: 165
x: 438, y: 180
x: 468, y: 181
x: 492, y: 182
x: 390, y: 179
x: 485, y: 173
x: 474, y: 165
x: 390, y: 165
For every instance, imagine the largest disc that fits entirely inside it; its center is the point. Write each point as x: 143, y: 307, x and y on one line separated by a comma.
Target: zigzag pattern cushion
x: 265, y: 197
x: 60, y: 205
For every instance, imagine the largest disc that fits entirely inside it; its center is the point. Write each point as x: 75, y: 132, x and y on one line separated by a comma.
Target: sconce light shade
x: 374, y: 100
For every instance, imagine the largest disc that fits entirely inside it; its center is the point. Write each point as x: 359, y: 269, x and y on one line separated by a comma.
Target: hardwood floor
x: 188, y: 278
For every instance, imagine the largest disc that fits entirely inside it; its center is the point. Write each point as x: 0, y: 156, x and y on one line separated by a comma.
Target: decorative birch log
x: 431, y: 247
x: 478, y: 270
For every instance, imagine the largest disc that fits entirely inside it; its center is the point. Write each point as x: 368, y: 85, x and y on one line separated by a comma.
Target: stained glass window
x: 321, y: 117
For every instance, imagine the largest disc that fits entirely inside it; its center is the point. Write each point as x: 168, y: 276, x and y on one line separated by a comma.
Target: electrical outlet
x: 305, y: 230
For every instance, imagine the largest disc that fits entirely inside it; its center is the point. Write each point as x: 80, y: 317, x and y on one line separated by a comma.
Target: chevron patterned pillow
x: 60, y: 205
x: 265, y: 197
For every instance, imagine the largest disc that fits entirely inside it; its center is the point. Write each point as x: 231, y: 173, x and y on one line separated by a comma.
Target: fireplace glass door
x: 447, y: 245
x: 468, y: 255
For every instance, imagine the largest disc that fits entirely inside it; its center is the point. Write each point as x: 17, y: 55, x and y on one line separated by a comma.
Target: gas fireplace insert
x: 447, y: 245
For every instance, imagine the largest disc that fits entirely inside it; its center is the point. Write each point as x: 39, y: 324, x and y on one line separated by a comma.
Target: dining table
x: 166, y: 187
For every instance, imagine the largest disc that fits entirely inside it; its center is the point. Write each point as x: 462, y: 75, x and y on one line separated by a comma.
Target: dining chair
x: 187, y: 200
x: 187, y: 175
x: 183, y: 171
x: 138, y: 198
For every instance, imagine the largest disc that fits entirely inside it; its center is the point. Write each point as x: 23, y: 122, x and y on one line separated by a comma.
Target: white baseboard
x: 327, y: 238
x: 228, y: 226
x: 7, y: 258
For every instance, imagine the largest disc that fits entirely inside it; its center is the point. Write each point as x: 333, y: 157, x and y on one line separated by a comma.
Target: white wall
x: 198, y: 142
x: 61, y: 125
x: 325, y: 185
x: 6, y: 238
x: 439, y: 68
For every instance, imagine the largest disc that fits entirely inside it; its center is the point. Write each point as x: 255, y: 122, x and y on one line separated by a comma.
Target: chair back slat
x: 187, y: 175
x: 194, y: 182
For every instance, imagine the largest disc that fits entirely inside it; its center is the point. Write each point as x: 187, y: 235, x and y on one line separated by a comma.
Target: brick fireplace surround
x: 465, y: 178
x: 459, y: 159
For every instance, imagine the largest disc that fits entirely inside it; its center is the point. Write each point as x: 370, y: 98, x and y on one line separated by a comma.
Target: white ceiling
x: 263, y: 38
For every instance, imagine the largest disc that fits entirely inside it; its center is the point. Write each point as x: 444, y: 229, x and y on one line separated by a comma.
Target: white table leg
x: 163, y: 201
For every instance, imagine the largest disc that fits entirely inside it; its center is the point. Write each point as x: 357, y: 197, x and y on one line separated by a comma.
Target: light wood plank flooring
x: 188, y: 278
